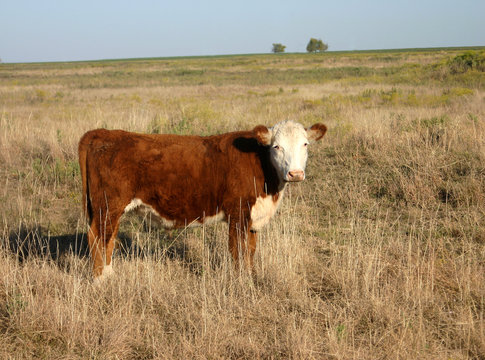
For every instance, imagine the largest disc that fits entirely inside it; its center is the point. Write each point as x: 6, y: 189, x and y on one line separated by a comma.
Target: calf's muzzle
x: 295, y: 175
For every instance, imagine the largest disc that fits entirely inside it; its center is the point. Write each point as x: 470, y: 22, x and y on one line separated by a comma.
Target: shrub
x: 278, y: 48
x: 315, y: 45
x: 471, y: 60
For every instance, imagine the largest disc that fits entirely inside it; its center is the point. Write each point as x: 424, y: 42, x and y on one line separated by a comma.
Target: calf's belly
x: 182, y: 221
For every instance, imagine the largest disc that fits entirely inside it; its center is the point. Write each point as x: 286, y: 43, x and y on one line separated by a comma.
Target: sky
x: 68, y: 30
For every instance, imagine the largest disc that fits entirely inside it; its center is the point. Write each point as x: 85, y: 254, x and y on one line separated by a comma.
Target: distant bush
x: 315, y: 45
x: 278, y: 48
x: 471, y: 60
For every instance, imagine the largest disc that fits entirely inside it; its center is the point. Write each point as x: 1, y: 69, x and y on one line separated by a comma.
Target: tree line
x: 314, y: 46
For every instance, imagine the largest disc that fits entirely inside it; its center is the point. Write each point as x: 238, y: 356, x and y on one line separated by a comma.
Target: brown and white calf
x: 237, y: 177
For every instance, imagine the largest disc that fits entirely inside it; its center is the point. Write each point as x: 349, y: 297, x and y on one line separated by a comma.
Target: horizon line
x: 438, y: 48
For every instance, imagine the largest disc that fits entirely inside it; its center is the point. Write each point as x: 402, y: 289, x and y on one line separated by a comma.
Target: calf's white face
x: 288, y: 146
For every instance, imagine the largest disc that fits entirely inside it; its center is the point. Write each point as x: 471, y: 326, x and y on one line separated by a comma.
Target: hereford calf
x: 238, y: 177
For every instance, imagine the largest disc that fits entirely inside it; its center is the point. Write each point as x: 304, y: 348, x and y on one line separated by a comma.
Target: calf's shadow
x: 36, y: 242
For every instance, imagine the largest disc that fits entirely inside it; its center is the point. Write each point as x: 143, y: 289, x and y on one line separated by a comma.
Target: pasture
x: 378, y: 254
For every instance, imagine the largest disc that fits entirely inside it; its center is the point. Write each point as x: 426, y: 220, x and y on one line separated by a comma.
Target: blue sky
x: 65, y: 30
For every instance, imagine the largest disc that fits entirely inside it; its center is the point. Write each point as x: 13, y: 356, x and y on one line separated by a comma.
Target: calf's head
x: 288, y: 146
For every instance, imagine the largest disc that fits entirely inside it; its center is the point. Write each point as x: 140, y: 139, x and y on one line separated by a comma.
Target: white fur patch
x: 144, y: 209
x: 288, y: 148
x: 133, y: 205
x: 108, y: 270
x: 220, y: 216
x: 207, y: 220
x: 263, y: 210
x: 107, y: 273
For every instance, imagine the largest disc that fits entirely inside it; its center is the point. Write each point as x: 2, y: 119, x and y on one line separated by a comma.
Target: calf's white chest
x: 263, y: 210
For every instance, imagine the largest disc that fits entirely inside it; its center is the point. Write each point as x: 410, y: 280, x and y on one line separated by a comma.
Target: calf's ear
x: 263, y: 135
x: 316, y: 132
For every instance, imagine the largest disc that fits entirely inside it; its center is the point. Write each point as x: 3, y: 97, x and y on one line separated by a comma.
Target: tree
x: 315, y: 45
x: 278, y: 48
x: 312, y: 45
x: 321, y: 46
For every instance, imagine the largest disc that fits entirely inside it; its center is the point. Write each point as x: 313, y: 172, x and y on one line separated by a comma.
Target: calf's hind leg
x: 101, y: 239
x: 96, y: 248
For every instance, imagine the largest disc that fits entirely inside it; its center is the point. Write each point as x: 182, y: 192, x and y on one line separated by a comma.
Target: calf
x: 237, y: 177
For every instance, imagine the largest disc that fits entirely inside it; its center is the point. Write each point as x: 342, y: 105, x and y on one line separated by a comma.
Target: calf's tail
x: 83, y: 164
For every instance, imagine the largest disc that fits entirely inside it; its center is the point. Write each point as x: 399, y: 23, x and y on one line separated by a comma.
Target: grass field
x: 379, y: 254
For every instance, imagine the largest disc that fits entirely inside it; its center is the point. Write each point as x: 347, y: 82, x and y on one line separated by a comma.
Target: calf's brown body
x: 182, y: 179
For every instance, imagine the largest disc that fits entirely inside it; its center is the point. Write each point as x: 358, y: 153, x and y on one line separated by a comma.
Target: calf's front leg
x: 242, y: 242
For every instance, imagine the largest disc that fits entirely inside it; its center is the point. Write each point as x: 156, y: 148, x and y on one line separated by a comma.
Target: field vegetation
x: 379, y: 254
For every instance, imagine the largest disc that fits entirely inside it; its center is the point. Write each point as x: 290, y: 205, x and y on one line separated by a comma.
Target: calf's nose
x: 295, y: 175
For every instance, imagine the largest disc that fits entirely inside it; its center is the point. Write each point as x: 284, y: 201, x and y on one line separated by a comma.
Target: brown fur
x: 184, y: 178
x: 316, y: 132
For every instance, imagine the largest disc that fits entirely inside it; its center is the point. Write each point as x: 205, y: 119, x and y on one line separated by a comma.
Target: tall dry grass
x: 379, y: 254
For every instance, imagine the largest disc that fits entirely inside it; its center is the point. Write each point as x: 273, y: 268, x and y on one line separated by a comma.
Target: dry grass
x: 379, y: 254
